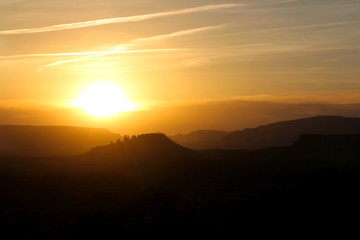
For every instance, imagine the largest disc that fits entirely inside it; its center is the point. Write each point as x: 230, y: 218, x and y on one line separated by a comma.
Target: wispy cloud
x: 135, y: 43
x: 157, y: 38
x: 100, y: 54
x: 326, y: 25
x: 47, y: 55
x: 308, y: 26
x: 136, y: 18
x: 84, y: 53
x: 280, y: 2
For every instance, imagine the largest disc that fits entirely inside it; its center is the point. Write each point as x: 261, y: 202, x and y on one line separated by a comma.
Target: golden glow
x: 103, y: 100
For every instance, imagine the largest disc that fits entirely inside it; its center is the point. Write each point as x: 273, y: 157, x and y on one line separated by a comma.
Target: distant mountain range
x: 148, y: 183
x: 283, y: 133
x: 65, y: 140
x: 51, y: 140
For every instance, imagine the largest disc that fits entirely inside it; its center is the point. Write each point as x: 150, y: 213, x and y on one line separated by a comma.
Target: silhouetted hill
x: 282, y: 133
x: 51, y: 140
x: 150, y: 150
x: 152, y: 145
x: 154, y: 152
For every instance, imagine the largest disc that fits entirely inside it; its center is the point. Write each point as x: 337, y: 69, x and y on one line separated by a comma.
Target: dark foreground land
x: 148, y: 184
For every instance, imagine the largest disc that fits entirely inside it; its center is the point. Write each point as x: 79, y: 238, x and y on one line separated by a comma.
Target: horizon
x: 180, y: 133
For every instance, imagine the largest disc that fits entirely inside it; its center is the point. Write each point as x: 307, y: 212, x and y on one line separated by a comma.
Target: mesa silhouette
x: 283, y: 133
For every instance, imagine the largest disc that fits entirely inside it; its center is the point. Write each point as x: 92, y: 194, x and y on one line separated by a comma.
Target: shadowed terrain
x: 149, y: 184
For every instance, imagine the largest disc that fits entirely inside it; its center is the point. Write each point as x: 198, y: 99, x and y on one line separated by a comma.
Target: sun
x: 103, y: 100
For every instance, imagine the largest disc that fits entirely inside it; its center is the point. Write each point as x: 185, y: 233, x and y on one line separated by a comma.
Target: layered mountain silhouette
x: 283, y: 133
x: 150, y: 184
x: 51, y: 140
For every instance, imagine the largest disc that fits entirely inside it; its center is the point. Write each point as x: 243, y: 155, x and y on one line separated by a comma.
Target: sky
x: 188, y: 64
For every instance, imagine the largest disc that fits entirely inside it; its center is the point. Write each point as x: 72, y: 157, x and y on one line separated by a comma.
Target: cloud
x: 163, y: 37
x: 281, y: 2
x: 296, y: 27
x: 100, y: 54
x: 16, y: 56
x: 127, y: 47
x: 47, y: 55
x: 318, y: 25
x: 136, y: 18
x: 123, y: 48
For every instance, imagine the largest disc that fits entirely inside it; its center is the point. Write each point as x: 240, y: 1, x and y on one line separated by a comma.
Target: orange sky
x: 176, y: 59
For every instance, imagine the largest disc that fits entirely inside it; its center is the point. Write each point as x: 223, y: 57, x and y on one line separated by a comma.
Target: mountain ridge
x: 283, y: 133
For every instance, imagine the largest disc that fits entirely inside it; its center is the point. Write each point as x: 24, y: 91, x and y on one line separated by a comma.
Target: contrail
x: 152, y: 39
x: 136, y: 18
x: 87, y: 53
x: 124, y: 48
